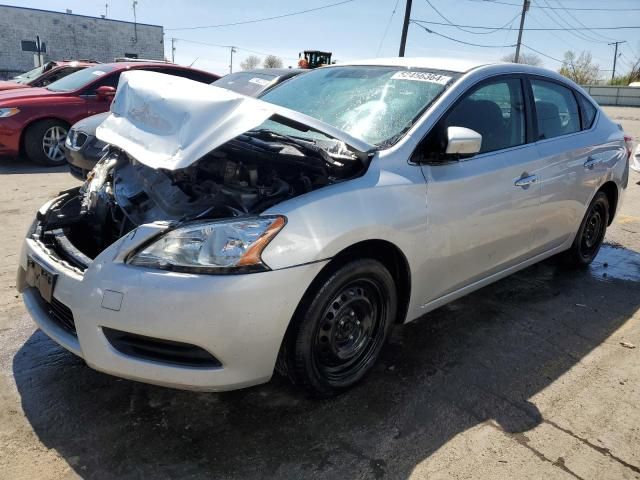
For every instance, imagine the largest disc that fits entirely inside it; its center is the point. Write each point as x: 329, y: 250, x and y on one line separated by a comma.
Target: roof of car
x: 448, y: 64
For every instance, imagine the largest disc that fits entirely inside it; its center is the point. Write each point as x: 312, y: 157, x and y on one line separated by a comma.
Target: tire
x: 43, y: 142
x: 339, y: 328
x: 591, y: 234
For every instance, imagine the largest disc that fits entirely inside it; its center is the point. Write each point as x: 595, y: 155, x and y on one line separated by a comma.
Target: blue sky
x: 355, y: 30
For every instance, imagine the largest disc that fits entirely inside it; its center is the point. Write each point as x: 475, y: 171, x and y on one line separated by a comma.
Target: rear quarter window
x: 588, y: 112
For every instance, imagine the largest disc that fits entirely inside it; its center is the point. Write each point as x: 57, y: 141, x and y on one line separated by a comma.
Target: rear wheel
x: 340, y: 328
x: 591, y: 233
x: 43, y: 142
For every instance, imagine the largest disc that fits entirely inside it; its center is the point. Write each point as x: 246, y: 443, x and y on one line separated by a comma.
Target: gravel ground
x: 527, y: 378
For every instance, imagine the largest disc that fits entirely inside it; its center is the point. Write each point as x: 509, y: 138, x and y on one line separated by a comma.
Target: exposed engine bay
x: 244, y: 176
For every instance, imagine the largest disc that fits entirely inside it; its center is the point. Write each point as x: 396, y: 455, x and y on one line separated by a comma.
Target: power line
x: 230, y: 46
x: 386, y: 30
x: 497, y: 2
x: 479, y: 27
x: 541, y: 53
x: 264, y: 19
x: 561, y: 18
x: 428, y: 30
x: 596, y: 35
x: 469, y: 31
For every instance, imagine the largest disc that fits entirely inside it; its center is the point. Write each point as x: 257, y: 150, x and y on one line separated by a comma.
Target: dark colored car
x: 35, y: 121
x: 83, y: 149
x: 45, y: 74
x: 256, y: 82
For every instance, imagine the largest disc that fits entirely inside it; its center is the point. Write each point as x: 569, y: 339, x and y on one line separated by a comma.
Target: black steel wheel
x: 591, y: 233
x: 340, y: 327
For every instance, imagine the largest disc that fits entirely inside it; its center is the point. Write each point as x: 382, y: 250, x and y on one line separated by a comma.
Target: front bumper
x: 82, y: 160
x: 240, y: 319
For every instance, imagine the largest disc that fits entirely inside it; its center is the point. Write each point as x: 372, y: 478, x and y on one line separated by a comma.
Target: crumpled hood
x: 169, y: 122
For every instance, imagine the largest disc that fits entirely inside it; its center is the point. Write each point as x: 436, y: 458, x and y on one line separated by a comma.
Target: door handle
x: 524, y: 182
x: 591, y: 162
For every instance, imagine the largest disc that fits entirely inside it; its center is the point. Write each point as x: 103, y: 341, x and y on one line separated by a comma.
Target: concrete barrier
x: 612, y: 95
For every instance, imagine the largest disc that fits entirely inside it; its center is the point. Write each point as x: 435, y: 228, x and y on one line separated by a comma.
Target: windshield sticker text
x: 421, y: 77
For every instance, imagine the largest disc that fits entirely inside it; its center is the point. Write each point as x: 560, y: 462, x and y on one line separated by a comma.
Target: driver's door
x: 481, y: 211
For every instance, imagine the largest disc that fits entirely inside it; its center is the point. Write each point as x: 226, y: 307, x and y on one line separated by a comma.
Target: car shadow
x: 481, y: 358
x: 13, y: 165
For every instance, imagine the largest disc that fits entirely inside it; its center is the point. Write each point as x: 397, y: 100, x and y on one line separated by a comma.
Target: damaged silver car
x: 223, y: 238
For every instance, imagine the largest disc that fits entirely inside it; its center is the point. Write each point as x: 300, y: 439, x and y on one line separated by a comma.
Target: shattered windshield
x: 373, y: 103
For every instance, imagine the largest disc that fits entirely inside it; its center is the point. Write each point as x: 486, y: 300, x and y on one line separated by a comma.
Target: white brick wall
x: 69, y: 36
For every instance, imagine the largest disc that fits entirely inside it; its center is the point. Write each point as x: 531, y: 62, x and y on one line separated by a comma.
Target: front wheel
x: 340, y: 327
x: 591, y: 233
x: 43, y: 142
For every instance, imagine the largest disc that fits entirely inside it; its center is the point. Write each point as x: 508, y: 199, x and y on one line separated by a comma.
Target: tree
x: 249, y: 63
x: 580, y: 69
x: 526, y: 58
x: 271, y: 61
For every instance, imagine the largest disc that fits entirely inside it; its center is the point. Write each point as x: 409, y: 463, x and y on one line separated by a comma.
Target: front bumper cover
x: 239, y: 319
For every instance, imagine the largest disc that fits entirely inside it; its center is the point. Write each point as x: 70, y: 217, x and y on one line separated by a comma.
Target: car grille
x: 61, y: 315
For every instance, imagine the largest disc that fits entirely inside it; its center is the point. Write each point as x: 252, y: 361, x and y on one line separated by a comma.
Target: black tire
x: 339, y: 328
x: 34, y: 142
x: 591, y: 234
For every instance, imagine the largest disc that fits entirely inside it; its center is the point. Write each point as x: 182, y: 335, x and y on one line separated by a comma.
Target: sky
x: 368, y: 28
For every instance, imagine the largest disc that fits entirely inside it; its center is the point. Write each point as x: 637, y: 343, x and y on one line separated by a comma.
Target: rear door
x: 572, y: 160
x: 481, y: 210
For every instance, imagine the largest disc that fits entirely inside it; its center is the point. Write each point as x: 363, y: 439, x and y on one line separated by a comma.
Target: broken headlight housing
x: 226, y: 246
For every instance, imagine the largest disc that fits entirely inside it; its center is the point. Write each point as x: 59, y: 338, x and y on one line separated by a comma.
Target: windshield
x: 373, y: 103
x: 30, y: 75
x: 79, y: 79
x: 246, y: 83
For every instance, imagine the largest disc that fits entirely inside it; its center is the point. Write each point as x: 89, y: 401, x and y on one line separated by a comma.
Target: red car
x: 44, y: 75
x: 35, y: 121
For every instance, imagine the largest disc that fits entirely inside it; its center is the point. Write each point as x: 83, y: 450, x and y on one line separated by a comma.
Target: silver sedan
x: 223, y: 238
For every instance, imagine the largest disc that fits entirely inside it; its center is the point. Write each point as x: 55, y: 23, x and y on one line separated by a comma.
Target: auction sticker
x: 421, y: 77
x: 259, y: 81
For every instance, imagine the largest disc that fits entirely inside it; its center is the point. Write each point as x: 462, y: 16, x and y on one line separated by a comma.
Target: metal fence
x: 610, y: 95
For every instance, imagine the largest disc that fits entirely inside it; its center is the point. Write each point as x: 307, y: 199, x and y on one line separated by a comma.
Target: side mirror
x: 105, y: 92
x: 463, y: 141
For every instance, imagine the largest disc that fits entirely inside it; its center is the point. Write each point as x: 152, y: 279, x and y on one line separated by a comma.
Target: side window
x: 588, y: 112
x: 109, y: 81
x: 556, y: 109
x: 495, y: 110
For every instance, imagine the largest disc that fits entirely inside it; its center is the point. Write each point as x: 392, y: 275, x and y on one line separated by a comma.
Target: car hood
x: 90, y: 124
x: 170, y: 122
x: 9, y: 85
x: 30, y: 92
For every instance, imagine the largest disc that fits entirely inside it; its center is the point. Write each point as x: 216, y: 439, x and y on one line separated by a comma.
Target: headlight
x: 8, y: 112
x: 225, y: 246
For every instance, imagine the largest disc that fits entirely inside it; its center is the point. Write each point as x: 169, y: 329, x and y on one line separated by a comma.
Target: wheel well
x: 611, y: 191
x: 390, y: 256
x: 32, y: 123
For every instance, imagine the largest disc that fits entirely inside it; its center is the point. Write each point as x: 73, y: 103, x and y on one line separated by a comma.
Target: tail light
x: 628, y: 140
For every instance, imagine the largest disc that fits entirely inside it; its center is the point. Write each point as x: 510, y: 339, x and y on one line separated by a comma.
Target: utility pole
x: 173, y: 50
x: 106, y: 10
x: 405, y: 28
x: 525, y: 9
x: 232, y: 50
x: 615, y: 58
x: 135, y: 22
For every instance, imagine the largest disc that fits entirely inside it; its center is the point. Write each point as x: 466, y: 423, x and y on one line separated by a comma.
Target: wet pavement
x: 527, y: 378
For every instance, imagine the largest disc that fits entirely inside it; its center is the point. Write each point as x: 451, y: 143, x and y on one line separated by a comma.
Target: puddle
x: 615, y: 262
